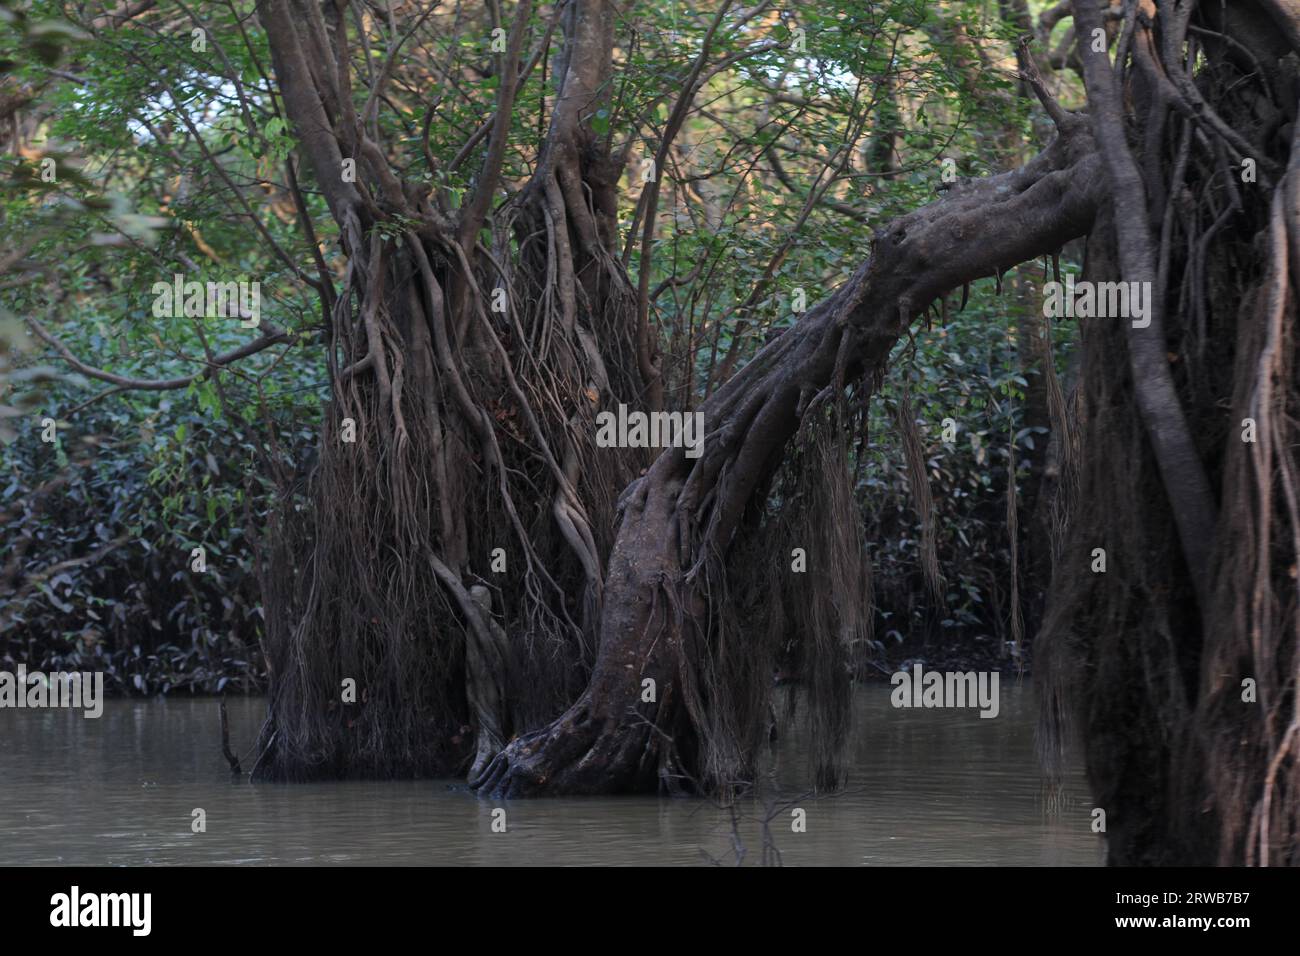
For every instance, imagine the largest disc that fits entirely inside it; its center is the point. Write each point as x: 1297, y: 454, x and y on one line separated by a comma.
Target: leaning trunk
x: 696, y: 556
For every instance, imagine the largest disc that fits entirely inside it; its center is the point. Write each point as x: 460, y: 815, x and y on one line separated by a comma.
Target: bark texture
x: 1176, y: 668
x: 458, y: 525
x: 667, y: 601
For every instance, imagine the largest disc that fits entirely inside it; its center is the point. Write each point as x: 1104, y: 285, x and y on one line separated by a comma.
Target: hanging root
x: 918, y: 481
x: 460, y: 498
x: 829, y: 611
x: 365, y: 647
x: 1250, y: 749
x: 1184, y: 697
x: 792, y: 603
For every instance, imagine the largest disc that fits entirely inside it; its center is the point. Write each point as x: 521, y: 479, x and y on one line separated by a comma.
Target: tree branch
x: 268, y: 339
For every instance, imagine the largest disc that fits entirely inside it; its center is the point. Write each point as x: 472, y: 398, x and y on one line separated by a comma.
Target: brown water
x: 925, y: 787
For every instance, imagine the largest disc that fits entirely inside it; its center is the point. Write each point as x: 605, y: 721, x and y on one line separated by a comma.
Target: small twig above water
x: 225, y: 741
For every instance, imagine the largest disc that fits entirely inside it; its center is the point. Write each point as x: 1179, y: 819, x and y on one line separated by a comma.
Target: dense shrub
x: 103, y: 523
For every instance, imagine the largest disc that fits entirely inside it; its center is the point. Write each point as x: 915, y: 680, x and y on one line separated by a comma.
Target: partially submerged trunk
x: 1176, y: 667
x: 1178, y: 673
x: 465, y: 374
x: 462, y: 414
x: 671, y: 609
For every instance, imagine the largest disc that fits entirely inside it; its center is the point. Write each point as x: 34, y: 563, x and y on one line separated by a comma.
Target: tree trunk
x: 667, y: 599
x: 1176, y: 667
x: 465, y: 375
x: 1178, y: 672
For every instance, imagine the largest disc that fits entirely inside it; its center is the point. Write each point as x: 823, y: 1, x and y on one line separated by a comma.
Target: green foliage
x: 144, y: 482
x: 971, y: 371
x: 101, y: 523
x: 830, y: 120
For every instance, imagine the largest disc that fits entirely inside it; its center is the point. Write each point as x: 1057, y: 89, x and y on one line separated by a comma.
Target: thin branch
x: 156, y: 384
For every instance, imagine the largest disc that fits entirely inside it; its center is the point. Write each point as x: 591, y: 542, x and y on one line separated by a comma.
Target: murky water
x: 926, y: 787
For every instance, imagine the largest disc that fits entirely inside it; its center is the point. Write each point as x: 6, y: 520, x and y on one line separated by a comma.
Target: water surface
x: 927, y: 787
